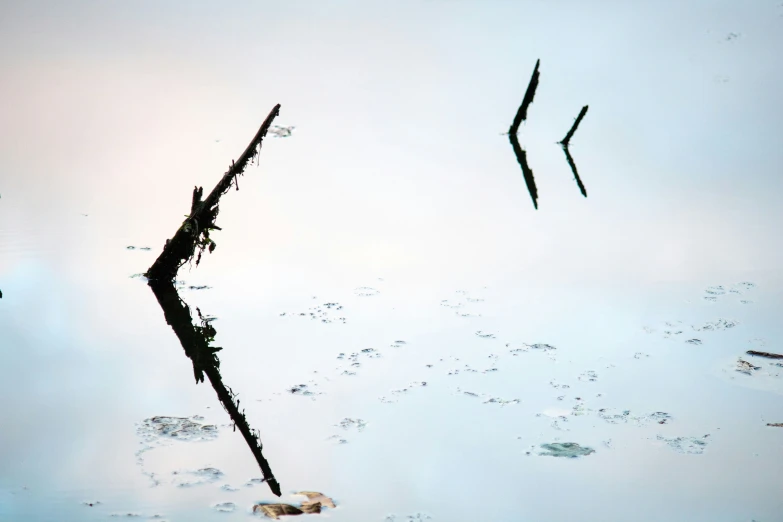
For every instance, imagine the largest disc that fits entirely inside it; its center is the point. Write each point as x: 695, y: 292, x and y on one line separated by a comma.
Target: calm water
x: 397, y: 215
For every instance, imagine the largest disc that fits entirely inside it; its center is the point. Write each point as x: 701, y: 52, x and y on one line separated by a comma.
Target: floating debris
x: 691, y: 445
x: 314, y: 497
x: 541, y: 346
x: 275, y: 511
x: 365, y: 291
x: 199, y: 287
x: 176, y: 428
x: 775, y: 424
x: 224, y: 507
x: 609, y: 416
x: 303, y: 390
x: 639, y: 355
x: 91, y: 503
x: 694, y: 341
x: 347, y: 423
x: 227, y: 487
x: 130, y: 515
x: 322, y: 313
x: 715, y: 290
x: 202, y: 476
x: 131, y: 247
x: 397, y: 344
x: 485, y: 335
x: 417, y: 384
x: 488, y: 399
x: 416, y: 517
x: 720, y: 324
x: 315, y: 501
x: 278, y: 131
x: 254, y: 482
x: 570, y: 450
x: 589, y: 375
x: 746, y: 367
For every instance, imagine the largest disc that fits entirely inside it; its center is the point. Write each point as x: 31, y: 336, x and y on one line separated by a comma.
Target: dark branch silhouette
x: 526, y: 171
x: 526, y: 101
x: 196, y: 340
x: 512, y: 135
x: 194, y: 232
x: 572, y: 164
x: 571, y: 132
x: 765, y: 354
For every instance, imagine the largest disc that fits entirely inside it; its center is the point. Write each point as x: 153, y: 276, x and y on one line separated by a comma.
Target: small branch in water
x: 526, y: 101
x: 570, y: 134
x: 572, y: 164
x: 775, y: 424
x: 764, y: 354
x: 194, y: 231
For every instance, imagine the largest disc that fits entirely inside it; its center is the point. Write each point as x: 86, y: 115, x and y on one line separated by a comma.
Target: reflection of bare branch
x: 574, y: 126
x: 571, y: 163
x: 526, y: 101
x: 196, y: 340
x: 526, y: 171
x: 194, y: 231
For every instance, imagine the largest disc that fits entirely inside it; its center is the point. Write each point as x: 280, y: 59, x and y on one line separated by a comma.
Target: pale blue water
x: 397, y: 215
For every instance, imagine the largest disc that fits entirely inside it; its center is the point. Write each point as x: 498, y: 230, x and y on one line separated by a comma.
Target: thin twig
x: 567, y: 139
x: 572, y: 164
x: 526, y: 101
x: 764, y: 354
x: 526, y: 170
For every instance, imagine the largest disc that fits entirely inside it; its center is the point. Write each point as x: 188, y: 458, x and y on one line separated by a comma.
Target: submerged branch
x: 571, y: 132
x: 526, y: 101
x: 196, y: 340
x: 526, y: 171
x: 572, y: 164
x: 194, y: 231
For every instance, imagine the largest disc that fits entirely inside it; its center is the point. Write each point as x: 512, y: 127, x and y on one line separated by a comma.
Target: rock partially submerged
x: 315, y: 501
